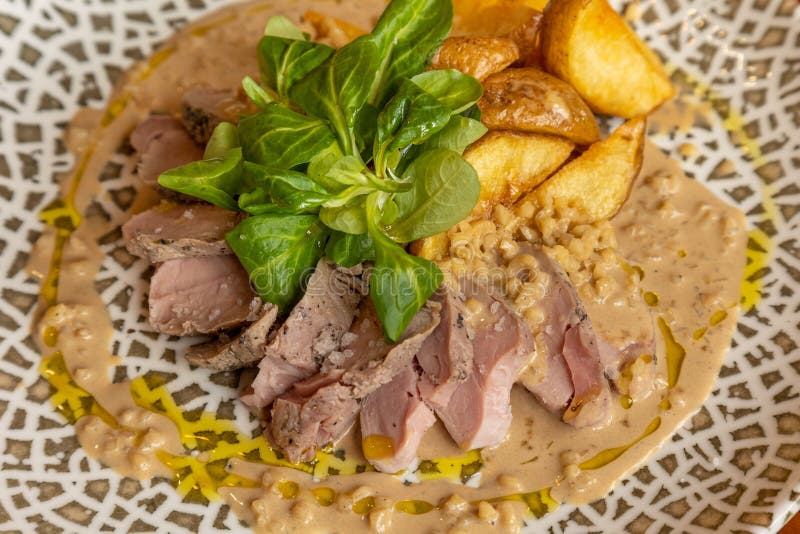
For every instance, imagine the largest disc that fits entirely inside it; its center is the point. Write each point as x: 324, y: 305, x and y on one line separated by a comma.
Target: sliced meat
x: 312, y: 331
x: 478, y: 412
x: 303, y: 423
x: 175, y: 231
x: 320, y: 409
x: 203, y: 108
x: 244, y: 350
x: 201, y: 296
x: 393, y: 421
x: 151, y: 129
x: 446, y: 355
x: 378, y: 364
x: 162, y: 144
x: 567, y: 377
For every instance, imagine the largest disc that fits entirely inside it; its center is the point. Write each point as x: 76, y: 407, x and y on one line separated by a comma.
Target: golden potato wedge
x: 586, y: 43
x: 335, y: 32
x: 533, y: 101
x: 492, y: 17
x: 526, y: 36
x: 477, y: 56
x: 509, y: 164
x: 434, y: 248
x: 597, y: 183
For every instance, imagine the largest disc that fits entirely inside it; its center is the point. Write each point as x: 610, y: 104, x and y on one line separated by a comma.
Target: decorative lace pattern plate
x: 734, y: 467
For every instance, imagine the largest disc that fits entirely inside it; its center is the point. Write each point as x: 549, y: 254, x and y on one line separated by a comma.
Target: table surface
x: 792, y: 527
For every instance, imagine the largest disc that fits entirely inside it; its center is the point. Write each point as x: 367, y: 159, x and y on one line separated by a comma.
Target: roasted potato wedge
x: 597, y: 183
x: 509, y: 164
x: 335, y: 31
x: 477, y: 56
x: 526, y: 36
x: 533, y: 101
x: 492, y: 17
x: 586, y: 43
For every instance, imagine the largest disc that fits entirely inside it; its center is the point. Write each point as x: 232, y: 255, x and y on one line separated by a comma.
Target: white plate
x: 734, y: 467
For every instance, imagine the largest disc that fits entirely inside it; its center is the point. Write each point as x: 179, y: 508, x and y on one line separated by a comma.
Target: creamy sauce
x: 683, y: 252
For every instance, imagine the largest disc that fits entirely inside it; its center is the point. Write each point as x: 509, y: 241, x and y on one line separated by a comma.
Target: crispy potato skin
x: 509, y: 164
x: 598, y: 182
x: 530, y: 100
x: 477, y: 56
x: 589, y: 45
x: 526, y: 36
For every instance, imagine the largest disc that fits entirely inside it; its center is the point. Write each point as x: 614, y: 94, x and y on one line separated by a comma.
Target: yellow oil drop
x: 114, y: 110
x: 759, y: 248
x: 607, y: 456
x: 377, y: 447
x: 651, y: 298
x: 539, y: 502
x: 681, y: 253
x: 155, y: 60
x: 288, y: 489
x: 626, y: 401
x: 324, y: 496
x: 451, y: 468
x: 69, y: 399
x: 718, y: 317
x: 675, y: 353
x: 699, y: 333
x: 665, y: 404
x: 364, y: 506
x: 414, y: 507
x: 50, y: 336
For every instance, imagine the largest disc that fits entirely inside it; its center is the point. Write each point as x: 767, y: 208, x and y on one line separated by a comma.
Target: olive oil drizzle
x: 607, y: 456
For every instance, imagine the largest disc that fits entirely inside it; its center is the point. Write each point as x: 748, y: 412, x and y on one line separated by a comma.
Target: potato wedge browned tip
x: 530, y: 100
x: 509, y: 164
x: 597, y: 184
x: 477, y: 56
x: 589, y: 45
x: 526, y: 35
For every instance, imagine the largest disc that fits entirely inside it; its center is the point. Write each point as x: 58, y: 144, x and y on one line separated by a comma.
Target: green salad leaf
x: 217, y: 178
x: 280, y: 137
x: 279, y: 252
x: 454, y: 89
x: 446, y: 188
x: 352, y: 154
x: 348, y: 250
x: 400, y: 283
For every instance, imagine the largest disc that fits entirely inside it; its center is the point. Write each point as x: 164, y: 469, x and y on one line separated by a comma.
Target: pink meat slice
x: 172, y: 231
x: 478, y: 414
x: 569, y: 380
x: 446, y: 355
x: 244, y: 350
x: 396, y: 411
x: 320, y: 409
x: 163, y: 144
x: 203, y: 108
x: 201, y: 296
x: 313, y: 330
